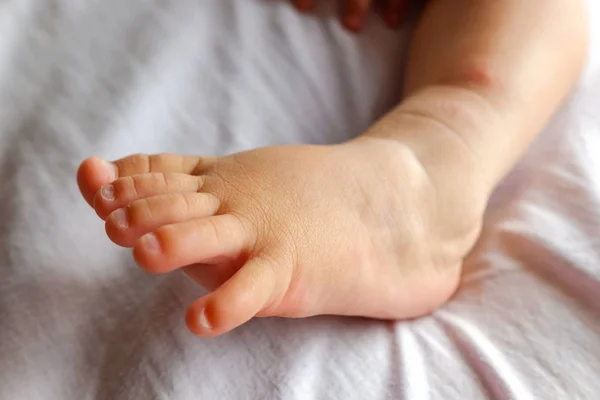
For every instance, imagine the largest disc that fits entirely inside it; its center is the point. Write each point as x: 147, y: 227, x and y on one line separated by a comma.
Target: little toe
x: 92, y: 174
x: 237, y: 301
x: 95, y: 172
x: 209, y: 240
x: 125, y: 225
x: 147, y: 163
x: 125, y: 190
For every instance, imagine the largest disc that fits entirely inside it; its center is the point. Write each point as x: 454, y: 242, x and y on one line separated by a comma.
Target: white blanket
x: 78, y: 320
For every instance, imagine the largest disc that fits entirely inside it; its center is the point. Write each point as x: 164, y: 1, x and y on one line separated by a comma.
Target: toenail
x: 108, y: 192
x: 120, y: 218
x: 204, y: 320
x: 111, y: 169
x: 150, y: 242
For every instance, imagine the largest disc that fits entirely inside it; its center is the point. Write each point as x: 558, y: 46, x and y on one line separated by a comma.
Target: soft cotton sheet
x: 78, y: 320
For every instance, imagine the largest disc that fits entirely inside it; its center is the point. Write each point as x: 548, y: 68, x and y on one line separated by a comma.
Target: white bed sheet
x: 79, y: 321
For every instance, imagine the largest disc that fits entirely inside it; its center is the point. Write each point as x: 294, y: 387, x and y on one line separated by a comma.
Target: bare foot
x: 354, y: 229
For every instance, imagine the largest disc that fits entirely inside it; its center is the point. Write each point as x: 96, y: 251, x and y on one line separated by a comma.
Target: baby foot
x: 355, y: 229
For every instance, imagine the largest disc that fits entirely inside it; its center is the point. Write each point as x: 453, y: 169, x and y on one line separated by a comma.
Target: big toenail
x: 120, y: 218
x: 150, y: 242
x: 108, y: 192
x: 204, y: 320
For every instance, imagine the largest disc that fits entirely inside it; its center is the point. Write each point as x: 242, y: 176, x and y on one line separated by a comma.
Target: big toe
x: 237, y: 301
x: 93, y: 173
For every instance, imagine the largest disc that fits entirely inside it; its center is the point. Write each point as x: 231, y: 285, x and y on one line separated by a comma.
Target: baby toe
x: 237, y: 301
x: 125, y: 190
x: 92, y: 174
x: 209, y: 240
x: 137, y: 164
x: 125, y: 225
